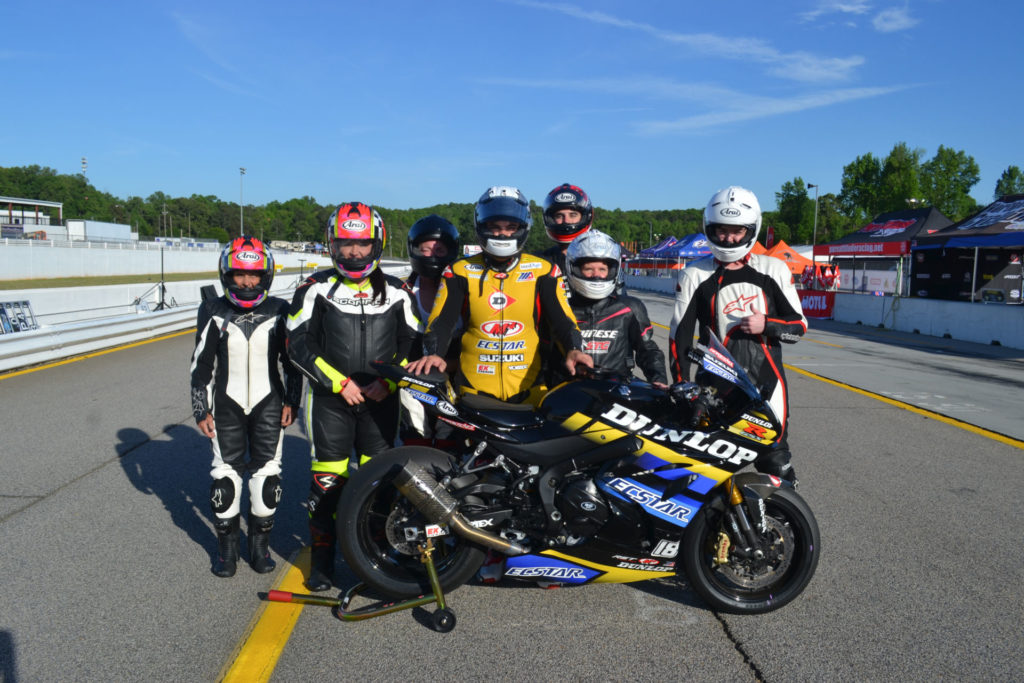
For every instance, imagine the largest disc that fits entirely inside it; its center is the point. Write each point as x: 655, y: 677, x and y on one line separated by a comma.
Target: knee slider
x: 264, y: 494
x: 223, y: 495
x: 325, y: 485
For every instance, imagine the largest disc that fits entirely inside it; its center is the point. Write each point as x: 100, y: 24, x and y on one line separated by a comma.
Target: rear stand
x: 442, y: 620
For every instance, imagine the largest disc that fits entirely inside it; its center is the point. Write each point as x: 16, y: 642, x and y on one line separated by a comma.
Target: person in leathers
x: 341, y: 320
x: 503, y: 294
x: 616, y: 329
x: 748, y: 301
x: 433, y: 244
x: 239, y: 401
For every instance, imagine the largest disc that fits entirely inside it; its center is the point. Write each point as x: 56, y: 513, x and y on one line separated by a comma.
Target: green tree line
x: 869, y: 186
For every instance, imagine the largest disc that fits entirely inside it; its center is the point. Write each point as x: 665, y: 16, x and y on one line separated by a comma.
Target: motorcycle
x: 609, y: 479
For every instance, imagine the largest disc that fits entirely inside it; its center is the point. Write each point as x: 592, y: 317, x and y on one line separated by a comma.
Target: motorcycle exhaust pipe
x: 439, y: 507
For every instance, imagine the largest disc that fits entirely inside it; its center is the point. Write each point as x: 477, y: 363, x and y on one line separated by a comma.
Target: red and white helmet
x: 567, y: 196
x: 733, y: 206
x: 355, y: 221
x: 247, y: 255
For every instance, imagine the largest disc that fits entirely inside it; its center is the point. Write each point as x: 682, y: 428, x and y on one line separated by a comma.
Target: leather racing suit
x: 234, y: 375
x: 336, y: 328
x: 503, y: 309
x: 712, y: 297
x: 616, y: 329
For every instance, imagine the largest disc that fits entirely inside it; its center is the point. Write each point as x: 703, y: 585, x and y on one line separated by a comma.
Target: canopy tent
x: 889, y: 234
x: 794, y: 261
x: 649, y: 251
x: 978, y: 258
x: 1000, y: 224
x: 689, y: 247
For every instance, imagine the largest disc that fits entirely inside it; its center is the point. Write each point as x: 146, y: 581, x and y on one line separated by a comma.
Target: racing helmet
x: 733, y: 206
x: 567, y: 196
x: 355, y: 221
x: 246, y: 254
x: 502, y: 202
x: 593, y: 245
x: 432, y: 227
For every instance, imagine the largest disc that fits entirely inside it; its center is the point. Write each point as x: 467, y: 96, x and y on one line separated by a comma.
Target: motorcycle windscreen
x: 732, y: 385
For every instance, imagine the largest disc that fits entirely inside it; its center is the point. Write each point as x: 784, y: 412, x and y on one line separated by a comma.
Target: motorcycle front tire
x: 370, y: 515
x: 786, y: 508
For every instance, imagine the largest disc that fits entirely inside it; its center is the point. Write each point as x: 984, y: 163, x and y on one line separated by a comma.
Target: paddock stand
x: 443, y: 620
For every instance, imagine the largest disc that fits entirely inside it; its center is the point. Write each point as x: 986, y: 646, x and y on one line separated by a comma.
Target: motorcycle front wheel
x: 729, y: 580
x: 371, y: 519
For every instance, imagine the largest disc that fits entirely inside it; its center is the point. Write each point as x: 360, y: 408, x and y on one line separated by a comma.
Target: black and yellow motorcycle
x: 608, y: 480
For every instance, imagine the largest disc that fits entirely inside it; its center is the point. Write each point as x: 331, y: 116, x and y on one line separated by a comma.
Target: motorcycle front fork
x: 740, y: 523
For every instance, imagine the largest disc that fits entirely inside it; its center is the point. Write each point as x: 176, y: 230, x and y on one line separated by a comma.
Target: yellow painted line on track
x: 257, y: 653
x: 75, y: 359
x: 995, y: 436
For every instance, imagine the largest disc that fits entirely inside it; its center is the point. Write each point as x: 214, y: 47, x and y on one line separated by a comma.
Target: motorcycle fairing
x: 609, y: 571
x: 678, y: 510
x: 549, y: 566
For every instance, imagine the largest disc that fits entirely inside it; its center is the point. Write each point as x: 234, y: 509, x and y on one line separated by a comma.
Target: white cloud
x: 724, y: 105
x: 760, y: 107
x: 837, y: 7
x: 894, y: 19
x: 800, y: 66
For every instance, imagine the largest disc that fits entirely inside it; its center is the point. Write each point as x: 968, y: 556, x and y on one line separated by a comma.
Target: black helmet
x: 567, y: 196
x: 246, y: 254
x: 502, y: 203
x: 432, y: 227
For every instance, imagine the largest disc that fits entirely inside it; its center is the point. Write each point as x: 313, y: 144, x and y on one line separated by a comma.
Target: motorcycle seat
x: 499, y: 413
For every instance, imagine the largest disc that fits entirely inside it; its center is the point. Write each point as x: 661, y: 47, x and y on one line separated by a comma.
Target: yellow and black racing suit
x: 502, y: 305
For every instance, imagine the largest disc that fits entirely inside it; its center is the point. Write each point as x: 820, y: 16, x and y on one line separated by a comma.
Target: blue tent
x: 650, y: 251
x: 689, y: 247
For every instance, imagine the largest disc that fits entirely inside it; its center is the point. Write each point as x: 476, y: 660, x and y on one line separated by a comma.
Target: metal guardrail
x: 125, y: 245
x: 55, y: 342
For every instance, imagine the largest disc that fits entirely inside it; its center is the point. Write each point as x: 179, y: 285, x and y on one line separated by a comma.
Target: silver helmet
x: 593, y: 245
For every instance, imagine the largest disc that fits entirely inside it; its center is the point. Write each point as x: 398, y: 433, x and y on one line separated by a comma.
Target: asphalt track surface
x: 106, y: 539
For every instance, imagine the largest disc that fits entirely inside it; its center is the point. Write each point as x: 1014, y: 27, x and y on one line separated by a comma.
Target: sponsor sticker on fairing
x: 433, y: 531
x: 421, y: 397
x: 446, y: 408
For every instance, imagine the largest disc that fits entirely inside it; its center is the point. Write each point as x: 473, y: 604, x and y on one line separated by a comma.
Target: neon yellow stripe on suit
x: 332, y: 374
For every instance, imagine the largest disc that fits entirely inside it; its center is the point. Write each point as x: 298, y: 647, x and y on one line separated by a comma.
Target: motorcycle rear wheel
x: 741, y: 587
x: 370, y: 518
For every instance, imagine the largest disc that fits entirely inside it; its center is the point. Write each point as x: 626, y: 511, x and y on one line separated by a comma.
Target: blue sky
x: 644, y: 104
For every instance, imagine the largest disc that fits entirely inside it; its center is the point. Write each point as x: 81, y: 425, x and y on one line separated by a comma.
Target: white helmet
x: 593, y: 245
x: 733, y: 206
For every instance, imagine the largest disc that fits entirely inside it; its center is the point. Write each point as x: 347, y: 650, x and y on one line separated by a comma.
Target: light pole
x: 241, y: 204
x: 814, y: 235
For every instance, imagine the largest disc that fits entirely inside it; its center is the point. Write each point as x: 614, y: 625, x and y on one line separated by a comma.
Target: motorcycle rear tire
x: 369, y: 500
x: 785, y: 507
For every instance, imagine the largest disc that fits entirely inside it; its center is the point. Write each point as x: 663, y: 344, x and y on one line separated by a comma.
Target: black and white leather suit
x: 235, y: 376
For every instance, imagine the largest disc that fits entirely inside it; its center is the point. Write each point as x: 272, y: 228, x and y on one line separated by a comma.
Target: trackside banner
x: 817, y: 304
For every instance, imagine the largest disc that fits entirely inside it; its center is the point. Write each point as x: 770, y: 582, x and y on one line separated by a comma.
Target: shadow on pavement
x: 177, y: 472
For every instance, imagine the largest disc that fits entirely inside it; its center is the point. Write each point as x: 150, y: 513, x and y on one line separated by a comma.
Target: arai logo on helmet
x: 501, y: 328
x: 250, y: 256
x: 731, y: 212
x: 352, y: 225
x: 565, y: 197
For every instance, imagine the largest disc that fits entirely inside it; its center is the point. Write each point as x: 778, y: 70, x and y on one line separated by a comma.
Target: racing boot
x: 777, y: 463
x: 227, y: 547
x: 321, y: 559
x: 259, y: 544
